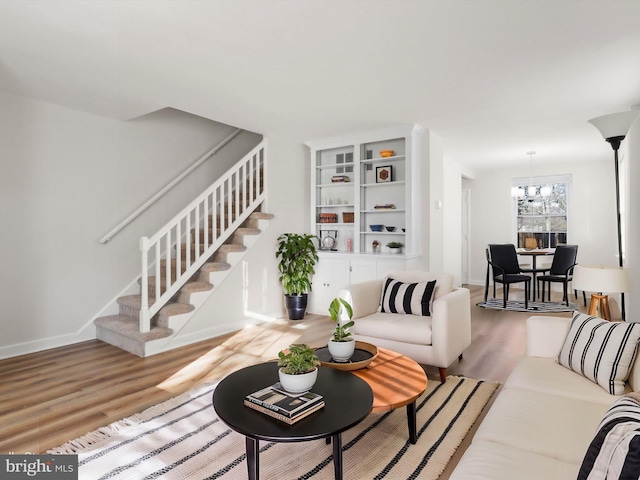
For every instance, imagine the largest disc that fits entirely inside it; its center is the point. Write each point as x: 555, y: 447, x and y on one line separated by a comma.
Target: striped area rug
x: 184, y: 439
x: 534, y: 307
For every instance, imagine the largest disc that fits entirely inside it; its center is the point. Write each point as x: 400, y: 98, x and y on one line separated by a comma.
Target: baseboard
x: 25, y: 348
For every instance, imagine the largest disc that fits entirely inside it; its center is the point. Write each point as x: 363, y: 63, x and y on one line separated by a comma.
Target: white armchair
x: 432, y: 340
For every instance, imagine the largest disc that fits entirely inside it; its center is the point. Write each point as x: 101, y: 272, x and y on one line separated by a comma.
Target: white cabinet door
x: 331, y: 276
x: 363, y: 270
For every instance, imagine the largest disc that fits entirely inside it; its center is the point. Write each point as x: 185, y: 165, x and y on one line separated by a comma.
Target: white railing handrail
x: 234, y: 196
x: 168, y: 187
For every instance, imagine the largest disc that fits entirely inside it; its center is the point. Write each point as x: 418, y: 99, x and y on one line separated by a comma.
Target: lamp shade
x: 615, y: 124
x: 597, y: 278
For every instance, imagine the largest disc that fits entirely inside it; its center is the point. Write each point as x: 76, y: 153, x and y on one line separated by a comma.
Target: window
x: 541, y: 206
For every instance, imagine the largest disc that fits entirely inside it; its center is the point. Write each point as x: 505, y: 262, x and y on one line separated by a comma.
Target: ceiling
x: 495, y: 79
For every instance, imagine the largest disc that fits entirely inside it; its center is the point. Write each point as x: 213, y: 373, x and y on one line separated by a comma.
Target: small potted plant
x: 341, y: 344
x: 395, y: 247
x: 298, y: 368
x: 298, y: 257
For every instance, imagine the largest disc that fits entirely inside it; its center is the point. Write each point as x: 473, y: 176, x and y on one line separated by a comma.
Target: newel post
x: 145, y: 319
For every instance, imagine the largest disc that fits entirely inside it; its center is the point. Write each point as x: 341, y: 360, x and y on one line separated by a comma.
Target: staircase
x: 222, y: 224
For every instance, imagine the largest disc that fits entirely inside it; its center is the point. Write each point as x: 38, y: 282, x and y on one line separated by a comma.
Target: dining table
x: 534, y: 254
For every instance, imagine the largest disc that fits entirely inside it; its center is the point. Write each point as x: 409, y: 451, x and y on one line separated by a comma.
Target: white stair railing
x: 231, y: 199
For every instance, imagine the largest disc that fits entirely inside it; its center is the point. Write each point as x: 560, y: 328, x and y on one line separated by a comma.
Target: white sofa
x: 543, y: 419
x: 432, y: 340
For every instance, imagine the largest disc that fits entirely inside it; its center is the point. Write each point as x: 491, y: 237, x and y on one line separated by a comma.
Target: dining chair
x: 561, y: 270
x: 506, y: 270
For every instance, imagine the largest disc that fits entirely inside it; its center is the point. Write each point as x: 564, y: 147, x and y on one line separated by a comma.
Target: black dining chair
x: 561, y: 270
x: 506, y: 270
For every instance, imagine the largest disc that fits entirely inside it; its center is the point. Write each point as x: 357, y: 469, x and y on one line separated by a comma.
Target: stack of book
x: 282, y: 405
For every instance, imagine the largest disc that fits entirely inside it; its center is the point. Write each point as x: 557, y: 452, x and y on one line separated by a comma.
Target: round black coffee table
x: 348, y: 400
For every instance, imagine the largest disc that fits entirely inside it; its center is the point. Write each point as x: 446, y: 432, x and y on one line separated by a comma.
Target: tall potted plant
x: 298, y: 257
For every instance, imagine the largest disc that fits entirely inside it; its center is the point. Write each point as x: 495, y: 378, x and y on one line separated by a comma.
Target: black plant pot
x: 296, y: 306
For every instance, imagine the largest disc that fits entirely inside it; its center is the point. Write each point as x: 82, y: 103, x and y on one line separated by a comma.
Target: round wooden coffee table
x: 396, y: 381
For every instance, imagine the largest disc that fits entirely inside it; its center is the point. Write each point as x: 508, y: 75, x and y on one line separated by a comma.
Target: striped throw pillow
x: 410, y: 298
x: 615, y: 450
x: 601, y: 351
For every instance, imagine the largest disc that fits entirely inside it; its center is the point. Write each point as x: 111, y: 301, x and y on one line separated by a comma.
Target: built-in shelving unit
x: 355, y: 186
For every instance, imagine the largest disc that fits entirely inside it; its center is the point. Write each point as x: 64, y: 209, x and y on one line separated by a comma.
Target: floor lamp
x: 592, y: 278
x: 614, y: 128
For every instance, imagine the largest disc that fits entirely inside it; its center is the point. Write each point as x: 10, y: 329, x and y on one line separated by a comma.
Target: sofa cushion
x: 614, y: 453
x: 602, y: 351
x: 411, y: 298
x: 545, y: 375
x: 549, y: 425
x: 489, y: 460
x: 398, y: 327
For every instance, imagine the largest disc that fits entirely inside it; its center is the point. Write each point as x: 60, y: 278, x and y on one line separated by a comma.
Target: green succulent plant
x: 298, y: 359
x: 395, y: 244
x: 341, y: 333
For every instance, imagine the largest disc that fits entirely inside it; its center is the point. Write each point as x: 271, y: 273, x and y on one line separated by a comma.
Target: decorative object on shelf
x: 342, y: 344
x: 347, y: 159
x: 376, y: 228
x: 383, y: 174
x: 614, y: 128
x: 328, y: 239
x: 328, y: 218
x: 349, y: 242
x: 386, y: 206
x: 368, y: 154
x: 404, y: 230
x: 600, y: 279
x: 376, y: 246
x: 340, y: 179
x: 298, y: 257
x: 387, y: 153
x: 390, y: 229
x: 298, y: 368
x: 530, y: 243
x: 347, y: 217
x: 395, y: 247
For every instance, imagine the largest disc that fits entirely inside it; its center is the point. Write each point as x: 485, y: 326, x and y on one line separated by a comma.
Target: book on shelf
x: 278, y: 403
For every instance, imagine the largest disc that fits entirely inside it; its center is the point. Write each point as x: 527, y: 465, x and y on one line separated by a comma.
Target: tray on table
x: 363, y: 355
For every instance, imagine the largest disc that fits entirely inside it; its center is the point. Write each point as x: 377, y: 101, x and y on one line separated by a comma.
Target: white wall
x: 592, y: 223
x: 67, y: 178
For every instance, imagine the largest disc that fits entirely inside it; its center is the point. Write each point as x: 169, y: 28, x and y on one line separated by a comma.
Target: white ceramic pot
x: 342, y: 351
x: 298, y: 383
x: 395, y: 250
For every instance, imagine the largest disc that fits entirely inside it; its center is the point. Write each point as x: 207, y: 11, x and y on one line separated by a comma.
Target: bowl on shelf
x: 376, y: 228
x: 391, y: 229
x: 386, y: 153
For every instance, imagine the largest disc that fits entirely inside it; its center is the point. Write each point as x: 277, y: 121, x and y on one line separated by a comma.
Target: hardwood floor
x: 51, y: 397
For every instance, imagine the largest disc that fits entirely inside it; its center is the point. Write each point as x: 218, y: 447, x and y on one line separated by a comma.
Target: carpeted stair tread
x: 215, y: 267
x: 262, y: 215
x: 171, y: 309
x: 129, y: 327
x: 193, y: 287
x: 247, y: 231
x: 132, y: 301
x: 231, y: 247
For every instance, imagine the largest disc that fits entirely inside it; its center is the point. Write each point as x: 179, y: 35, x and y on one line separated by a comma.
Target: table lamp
x: 594, y: 278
